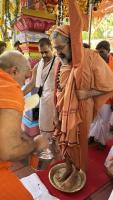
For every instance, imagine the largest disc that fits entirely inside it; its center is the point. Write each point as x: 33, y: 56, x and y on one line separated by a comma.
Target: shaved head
x: 12, y: 58
x: 14, y: 63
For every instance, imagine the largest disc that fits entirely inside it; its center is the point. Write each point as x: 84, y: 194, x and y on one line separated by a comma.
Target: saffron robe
x: 11, y: 97
x: 88, y: 71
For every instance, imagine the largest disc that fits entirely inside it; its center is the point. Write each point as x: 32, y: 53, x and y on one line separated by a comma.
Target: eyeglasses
x: 60, y: 47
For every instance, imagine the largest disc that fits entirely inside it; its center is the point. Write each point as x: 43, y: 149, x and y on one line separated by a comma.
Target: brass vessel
x: 59, y: 168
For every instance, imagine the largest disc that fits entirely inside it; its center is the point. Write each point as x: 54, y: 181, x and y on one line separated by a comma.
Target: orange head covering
x: 64, y: 30
x: 74, y: 31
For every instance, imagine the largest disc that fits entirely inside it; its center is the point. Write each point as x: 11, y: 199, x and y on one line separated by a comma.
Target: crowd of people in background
x: 50, y: 75
x: 75, y: 86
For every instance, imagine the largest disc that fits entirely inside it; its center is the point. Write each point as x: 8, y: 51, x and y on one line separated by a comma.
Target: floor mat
x: 96, y: 176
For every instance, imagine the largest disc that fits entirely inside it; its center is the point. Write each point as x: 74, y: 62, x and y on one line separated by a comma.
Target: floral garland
x: 83, y: 5
x: 11, y: 14
x: 60, y: 13
x: 15, y: 12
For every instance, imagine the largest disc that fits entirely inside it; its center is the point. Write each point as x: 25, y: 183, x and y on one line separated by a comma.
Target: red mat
x: 96, y: 176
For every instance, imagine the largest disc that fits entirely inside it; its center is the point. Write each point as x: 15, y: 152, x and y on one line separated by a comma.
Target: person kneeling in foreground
x: 14, y: 69
x: 83, y: 83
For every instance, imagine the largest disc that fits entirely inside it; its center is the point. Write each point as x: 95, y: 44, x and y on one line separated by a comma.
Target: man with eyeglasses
x: 43, y: 77
x: 84, y: 82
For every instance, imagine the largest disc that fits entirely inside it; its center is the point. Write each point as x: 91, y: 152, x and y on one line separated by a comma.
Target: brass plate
x: 78, y: 185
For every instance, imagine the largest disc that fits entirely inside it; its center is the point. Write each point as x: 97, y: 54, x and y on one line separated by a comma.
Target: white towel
x: 111, y: 196
x: 109, y: 163
x: 37, y: 189
x: 40, y: 66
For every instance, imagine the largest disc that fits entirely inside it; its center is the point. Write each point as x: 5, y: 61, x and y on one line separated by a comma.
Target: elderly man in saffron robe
x: 84, y: 83
x: 14, y: 68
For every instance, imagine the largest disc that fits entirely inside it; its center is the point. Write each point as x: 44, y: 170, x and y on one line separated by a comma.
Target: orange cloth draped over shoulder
x: 11, y: 97
x: 84, y: 73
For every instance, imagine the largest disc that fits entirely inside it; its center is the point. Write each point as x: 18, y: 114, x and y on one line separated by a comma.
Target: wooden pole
x: 90, y: 23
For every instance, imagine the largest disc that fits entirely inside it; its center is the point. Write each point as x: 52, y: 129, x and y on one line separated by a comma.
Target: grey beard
x: 66, y: 61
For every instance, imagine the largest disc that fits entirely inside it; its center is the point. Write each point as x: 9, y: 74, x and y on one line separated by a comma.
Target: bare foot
x: 70, y: 181
x: 62, y: 176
